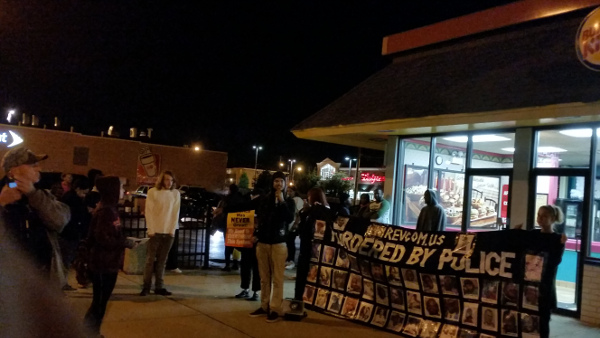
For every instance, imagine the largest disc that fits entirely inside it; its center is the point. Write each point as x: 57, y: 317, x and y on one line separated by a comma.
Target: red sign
x: 371, y: 178
x: 148, y: 167
x: 504, y: 203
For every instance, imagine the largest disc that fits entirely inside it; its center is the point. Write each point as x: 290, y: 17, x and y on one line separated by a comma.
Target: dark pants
x: 544, y: 322
x: 249, y: 269
x: 302, y: 267
x: 291, y: 246
x: 172, y: 263
x: 228, y: 252
x: 104, y: 284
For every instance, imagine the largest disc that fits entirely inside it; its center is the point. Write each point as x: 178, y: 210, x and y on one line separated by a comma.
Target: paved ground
x: 203, y: 305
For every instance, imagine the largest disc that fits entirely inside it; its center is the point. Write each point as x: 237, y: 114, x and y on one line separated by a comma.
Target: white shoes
x: 289, y: 265
x: 177, y: 270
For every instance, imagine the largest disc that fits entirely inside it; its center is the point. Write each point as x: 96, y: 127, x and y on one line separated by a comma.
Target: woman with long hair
x: 106, y: 242
x: 315, y: 209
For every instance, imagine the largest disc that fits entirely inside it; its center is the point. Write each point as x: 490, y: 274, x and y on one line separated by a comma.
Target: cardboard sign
x: 240, y: 229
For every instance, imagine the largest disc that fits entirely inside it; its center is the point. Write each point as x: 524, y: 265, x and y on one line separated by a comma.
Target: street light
x: 257, y: 148
x: 350, y: 165
x: 291, y: 170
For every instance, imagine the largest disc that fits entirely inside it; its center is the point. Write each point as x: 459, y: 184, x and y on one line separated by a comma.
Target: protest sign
x: 240, y: 228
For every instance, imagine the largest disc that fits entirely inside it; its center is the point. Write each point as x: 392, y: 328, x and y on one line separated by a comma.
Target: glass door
x: 488, y: 208
x: 566, y: 192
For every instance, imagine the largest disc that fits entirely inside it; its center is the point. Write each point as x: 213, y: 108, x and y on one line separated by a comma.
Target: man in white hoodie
x: 162, y: 219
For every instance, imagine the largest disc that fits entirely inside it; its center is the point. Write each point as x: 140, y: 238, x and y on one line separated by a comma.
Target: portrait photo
x: 396, y: 321
x: 381, y: 294
x: 470, y: 311
x: 429, y: 329
x: 342, y: 259
x: 313, y: 273
x: 349, y: 307
x: 328, y: 254
x: 353, y: 263
x: 489, y: 291
x: 354, y: 284
x: 449, y: 331
x: 397, y: 298
x: 470, y: 288
x: 429, y: 283
x: 449, y: 285
x: 413, y: 302
x: 377, y: 271
x: 364, y: 311
x: 316, y: 252
x: 309, y: 294
x: 534, y: 266
x: 452, y: 309
x: 339, y: 279
x: 380, y: 316
x: 413, y: 326
x: 393, y: 273
x: 510, y: 294
x: 368, y: 289
x: 340, y: 223
x: 530, y: 326
x: 410, y: 279
x: 325, y: 276
x: 365, y: 268
x: 467, y: 333
x: 321, y: 300
x: 432, y: 307
x: 489, y: 319
x: 530, y: 297
x: 320, y: 229
x: 335, y: 304
x: 509, y: 325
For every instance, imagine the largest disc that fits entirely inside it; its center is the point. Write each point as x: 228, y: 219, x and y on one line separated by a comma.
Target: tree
x: 244, y: 181
x: 306, y: 180
x: 335, y: 185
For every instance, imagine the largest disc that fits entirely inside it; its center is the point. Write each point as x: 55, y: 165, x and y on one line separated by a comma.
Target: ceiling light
x: 477, y: 138
x: 540, y: 150
x: 584, y: 132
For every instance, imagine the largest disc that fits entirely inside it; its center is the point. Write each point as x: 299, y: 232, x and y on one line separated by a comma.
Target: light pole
x: 291, y: 170
x: 257, y: 148
x: 350, y: 165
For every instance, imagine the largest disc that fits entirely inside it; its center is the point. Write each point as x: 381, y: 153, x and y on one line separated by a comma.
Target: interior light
x: 510, y: 150
x: 585, y: 132
x: 477, y: 138
x: 540, y: 150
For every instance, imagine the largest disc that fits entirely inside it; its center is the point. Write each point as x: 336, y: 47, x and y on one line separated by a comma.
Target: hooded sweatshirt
x: 432, y: 216
x: 105, y: 237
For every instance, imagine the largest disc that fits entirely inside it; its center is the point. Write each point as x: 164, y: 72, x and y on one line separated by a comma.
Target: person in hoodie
x: 106, y: 244
x: 162, y: 219
x: 275, y: 213
x: 432, y: 217
x: 316, y: 209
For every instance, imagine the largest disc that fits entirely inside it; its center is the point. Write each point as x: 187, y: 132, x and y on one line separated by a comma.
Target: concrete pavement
x: 203, y: 305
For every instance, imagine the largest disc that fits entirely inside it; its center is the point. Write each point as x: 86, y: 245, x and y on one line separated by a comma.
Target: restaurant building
x: 499, y: 112
x: 369, y: 178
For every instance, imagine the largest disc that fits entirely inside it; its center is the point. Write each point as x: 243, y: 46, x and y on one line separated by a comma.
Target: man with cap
x: 33, y: 216
x: 274, y: 214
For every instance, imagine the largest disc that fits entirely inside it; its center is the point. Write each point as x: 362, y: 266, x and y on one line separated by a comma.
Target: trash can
x: 135, y: 259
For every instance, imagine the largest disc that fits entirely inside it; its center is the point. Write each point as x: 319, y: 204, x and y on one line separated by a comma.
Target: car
x: 141, y: 191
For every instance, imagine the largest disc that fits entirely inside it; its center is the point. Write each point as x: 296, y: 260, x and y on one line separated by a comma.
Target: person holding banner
x: 316, y: 209
x: 275, y: 213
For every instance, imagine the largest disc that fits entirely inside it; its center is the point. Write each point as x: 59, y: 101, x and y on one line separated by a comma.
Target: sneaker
x: 258, y: 313
x: 162, y: 292
x: 243, y: 294
x: 144, y: 292
x: 290, y: 265
x: 177, y: 270
x: 254, y: 297
x: 273, y: 317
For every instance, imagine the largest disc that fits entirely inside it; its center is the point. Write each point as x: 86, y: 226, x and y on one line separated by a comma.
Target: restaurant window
x: 594, y: 242
x: 327, y: 171
x: 494, y: 150
x: 449, y: 178
x: 415, y: 174
x: 489, y: 203
x: 565, y: 148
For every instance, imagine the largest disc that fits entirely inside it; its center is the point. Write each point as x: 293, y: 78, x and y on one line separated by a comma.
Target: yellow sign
x: 587, y: 42
x: 240, y: 229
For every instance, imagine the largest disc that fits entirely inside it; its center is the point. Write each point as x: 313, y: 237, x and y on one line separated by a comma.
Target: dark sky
x: 226, y: 74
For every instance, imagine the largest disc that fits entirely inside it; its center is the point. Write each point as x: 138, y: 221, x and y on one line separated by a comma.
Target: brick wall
x: 590, y: 303
x: 119, y: 157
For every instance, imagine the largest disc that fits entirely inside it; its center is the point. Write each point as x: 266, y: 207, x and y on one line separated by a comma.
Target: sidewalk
x: 203, y: 305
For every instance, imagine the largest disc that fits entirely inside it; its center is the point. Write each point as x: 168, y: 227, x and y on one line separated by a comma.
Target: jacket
x: 273, y: 219
x: 432, y: 217
x: 308, y: 218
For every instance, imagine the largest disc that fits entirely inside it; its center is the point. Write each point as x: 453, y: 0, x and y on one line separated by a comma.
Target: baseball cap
x: 16, y: 157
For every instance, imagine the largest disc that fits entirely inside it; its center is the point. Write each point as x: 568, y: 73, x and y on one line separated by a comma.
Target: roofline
x: 479, y: 22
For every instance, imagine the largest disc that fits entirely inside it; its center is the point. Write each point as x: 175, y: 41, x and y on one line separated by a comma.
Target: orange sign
x: 240, y: 229
x: 587, y: 42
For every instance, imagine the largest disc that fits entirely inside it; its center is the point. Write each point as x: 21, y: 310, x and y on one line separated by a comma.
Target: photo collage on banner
x: 416, y: 300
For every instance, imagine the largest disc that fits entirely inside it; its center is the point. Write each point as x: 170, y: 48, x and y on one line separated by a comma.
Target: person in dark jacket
x: 316, y: 209
x: 249, y: 264
x: 362, y: 209
x: 106, y: 242
x: 33, y: 216
x: 275, y: 213
x: 432, y: 217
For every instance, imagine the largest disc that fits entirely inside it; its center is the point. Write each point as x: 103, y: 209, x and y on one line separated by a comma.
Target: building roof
x: 492, y: 80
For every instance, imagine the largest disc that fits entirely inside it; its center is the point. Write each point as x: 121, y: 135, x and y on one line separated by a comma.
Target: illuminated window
x: 327, y: 171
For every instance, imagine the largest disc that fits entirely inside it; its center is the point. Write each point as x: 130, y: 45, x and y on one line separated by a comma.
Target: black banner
x: 432, y: 284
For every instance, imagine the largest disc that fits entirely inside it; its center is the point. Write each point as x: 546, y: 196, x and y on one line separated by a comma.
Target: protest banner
x: 433, y: 284
x: 240, y: 228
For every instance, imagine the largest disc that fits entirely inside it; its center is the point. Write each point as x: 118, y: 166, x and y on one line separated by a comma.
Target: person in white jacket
x: 162, y: 219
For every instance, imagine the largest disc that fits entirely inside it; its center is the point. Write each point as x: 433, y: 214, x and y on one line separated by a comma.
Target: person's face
x: 545, y: 219
x: 427, y: 281
x: 377, y: 270
x: 432, y: 307
x: 448, y: 284
x: 329, y: 255
x: 378, y: 195
x: 81, y: 193
x: 291, y: 193
x: 278, y: 184
x: 364, y: 199
x: 469, y: 286
x: 167, y: 181
x: 68, y: 178
x: 27, y: 172
x: 410, y: 275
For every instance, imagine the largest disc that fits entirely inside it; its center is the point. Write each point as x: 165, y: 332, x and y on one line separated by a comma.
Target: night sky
x: 225, y: 74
